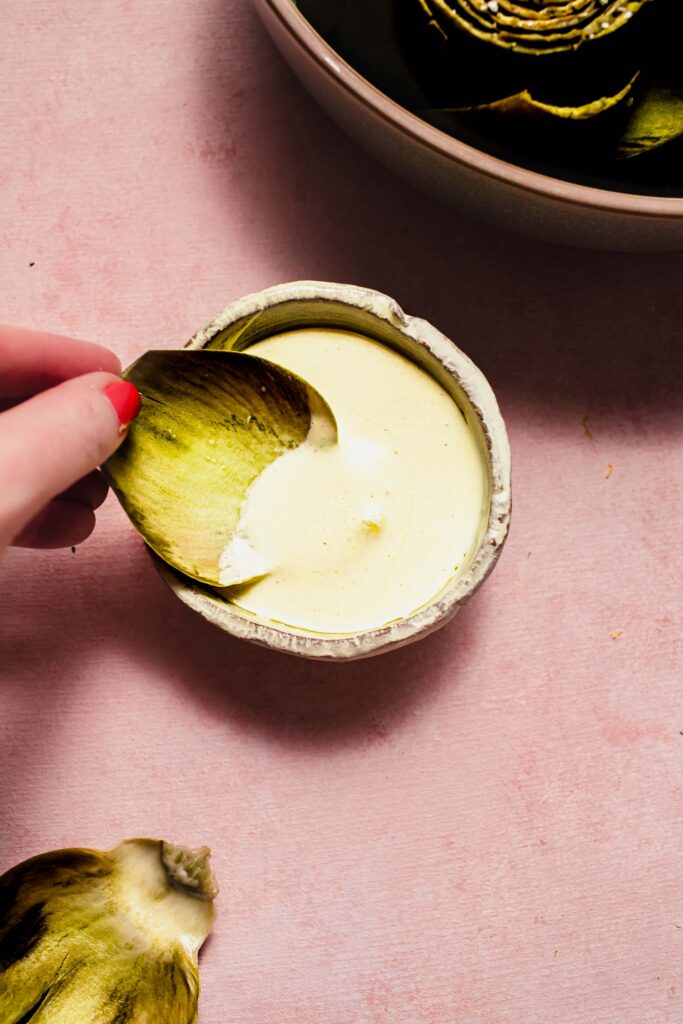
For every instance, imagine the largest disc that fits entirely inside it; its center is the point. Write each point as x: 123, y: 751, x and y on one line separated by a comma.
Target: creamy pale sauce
x: 353, y: 535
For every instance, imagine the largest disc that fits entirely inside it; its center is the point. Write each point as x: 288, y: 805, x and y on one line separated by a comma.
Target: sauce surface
x: 357, y: 534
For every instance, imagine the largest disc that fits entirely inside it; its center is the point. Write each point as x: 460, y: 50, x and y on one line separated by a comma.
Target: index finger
x: 31, y: 361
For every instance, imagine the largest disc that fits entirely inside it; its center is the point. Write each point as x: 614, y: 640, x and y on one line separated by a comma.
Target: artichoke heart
x: 90, y: 937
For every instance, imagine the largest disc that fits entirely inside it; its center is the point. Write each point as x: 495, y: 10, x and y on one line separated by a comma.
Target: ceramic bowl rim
x: 601, y: 200
x: 440, y: 350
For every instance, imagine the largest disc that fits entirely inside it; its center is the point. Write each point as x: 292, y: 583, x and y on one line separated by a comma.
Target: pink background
x: 481, y: 829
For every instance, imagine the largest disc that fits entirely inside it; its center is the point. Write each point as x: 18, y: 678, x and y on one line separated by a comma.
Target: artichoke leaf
x: 657, y: 118
x: 524, y: 104
x: 210, y: 423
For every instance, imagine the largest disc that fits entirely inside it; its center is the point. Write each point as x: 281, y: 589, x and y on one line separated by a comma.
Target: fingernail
x: 125, y: 398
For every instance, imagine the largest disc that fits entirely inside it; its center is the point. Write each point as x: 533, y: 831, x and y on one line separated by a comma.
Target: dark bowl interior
x: 368, y: 34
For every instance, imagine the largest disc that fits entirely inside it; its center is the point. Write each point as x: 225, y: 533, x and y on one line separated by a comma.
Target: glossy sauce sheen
x: 357, y: 534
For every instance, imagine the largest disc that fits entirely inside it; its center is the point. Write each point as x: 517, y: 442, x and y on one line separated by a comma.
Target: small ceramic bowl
x: 452, y: 170
x: 345, y: 307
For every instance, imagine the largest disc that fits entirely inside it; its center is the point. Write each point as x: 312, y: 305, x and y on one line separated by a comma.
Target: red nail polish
x: 125, y: 398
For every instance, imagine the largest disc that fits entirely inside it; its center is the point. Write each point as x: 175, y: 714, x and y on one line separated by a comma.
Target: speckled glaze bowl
x: 346, y: 307
x: 478, y: 183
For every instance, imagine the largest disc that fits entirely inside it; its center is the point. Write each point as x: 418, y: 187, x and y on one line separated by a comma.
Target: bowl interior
x: 366, y: 36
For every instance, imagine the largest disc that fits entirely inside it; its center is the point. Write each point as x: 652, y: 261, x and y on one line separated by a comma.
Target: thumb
x: 52, y: 440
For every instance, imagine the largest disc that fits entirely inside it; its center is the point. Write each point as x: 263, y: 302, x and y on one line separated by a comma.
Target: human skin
x: 63, y: 411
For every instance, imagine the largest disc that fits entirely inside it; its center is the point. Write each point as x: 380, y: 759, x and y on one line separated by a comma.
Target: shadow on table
x: 562, y: 331
x: 297, y: 701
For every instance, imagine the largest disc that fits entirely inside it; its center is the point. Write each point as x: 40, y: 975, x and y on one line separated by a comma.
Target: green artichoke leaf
x: 657, y: 118
x: 525, y: 105
x: 210, y: 423
x: 529, y: 27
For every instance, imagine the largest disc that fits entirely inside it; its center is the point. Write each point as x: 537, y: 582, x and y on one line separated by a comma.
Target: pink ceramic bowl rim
x: 572, y: 194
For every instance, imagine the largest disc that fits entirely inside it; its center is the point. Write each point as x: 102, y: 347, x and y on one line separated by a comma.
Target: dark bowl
x: 585, y: 213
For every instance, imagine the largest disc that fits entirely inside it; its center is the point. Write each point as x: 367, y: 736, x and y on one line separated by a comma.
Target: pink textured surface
x: 485, y: 828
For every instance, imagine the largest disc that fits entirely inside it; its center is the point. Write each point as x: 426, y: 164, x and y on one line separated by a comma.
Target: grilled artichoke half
x: 88, y: 937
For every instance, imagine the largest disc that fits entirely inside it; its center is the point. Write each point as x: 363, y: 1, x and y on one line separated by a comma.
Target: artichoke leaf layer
x: 533, y: 28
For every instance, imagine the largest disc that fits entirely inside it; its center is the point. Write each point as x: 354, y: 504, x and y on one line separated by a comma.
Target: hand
x: 63, y: 411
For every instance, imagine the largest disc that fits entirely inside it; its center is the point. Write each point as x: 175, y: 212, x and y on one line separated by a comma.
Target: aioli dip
x: 354, y: 535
